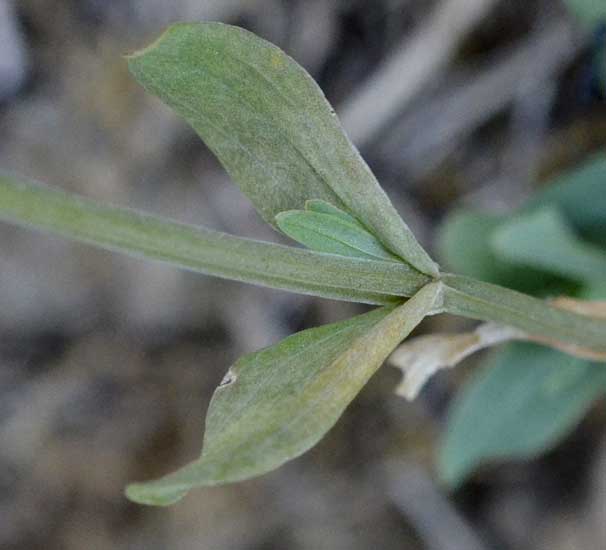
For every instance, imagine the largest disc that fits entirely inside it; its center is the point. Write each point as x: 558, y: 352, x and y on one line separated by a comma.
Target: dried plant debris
x: 420, y: 358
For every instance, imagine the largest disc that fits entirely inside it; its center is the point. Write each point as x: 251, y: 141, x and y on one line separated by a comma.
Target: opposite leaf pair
x: 277, y: 136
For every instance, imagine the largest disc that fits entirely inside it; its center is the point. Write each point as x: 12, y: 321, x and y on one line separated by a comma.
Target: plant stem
x: 202, y: 250
x: 283, y: 267
x: 478, y: 300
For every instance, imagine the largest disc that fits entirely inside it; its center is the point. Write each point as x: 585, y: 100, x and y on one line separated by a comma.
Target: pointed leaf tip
x: 283, y: 399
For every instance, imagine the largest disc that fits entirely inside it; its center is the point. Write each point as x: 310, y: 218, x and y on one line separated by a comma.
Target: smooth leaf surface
x: 275, y: 404
x: 333, y: 234
x: 205, y: 251
x: 543, y: 240
x: 521, y: 405
x: 270, y: 126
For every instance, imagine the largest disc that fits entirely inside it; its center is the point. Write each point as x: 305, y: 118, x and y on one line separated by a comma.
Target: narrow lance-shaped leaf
x: 202, y: 250
x: 270, y: 125
x: 275, y: 404
x: 332, y: 233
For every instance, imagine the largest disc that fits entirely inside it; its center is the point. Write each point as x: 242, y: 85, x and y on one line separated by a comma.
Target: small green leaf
x: 333, y: 234
x: 270, y: 125
x: 543, y: 240
x: 275, y: 404
x: 323, y: 207
x: 526, y: 401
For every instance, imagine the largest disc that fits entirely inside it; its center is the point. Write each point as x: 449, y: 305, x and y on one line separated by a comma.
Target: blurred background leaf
x: 527, y: 398
x: 544, y: 241
x: 521, y: 404
x: 580, y: 194
x: 270, y: 125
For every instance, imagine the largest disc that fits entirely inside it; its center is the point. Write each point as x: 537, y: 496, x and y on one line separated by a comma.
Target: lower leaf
x: 273, y: 405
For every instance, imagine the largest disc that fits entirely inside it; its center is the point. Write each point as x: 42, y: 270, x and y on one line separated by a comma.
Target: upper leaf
x: 270, y: 125
x: 275, y: 404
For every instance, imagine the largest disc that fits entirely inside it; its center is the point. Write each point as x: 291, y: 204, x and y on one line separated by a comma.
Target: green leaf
x: 275, y: 404
x: 270, y: 126
x: 543, y: 240
x: 332, y: 234
x: 524, y: 403
x: 206, y: 251
x: 465, y: 239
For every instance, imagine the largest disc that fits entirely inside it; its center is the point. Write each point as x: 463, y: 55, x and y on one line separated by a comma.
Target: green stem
x: 203, y: 250
x: 283, y: 267
x: 478, y: 300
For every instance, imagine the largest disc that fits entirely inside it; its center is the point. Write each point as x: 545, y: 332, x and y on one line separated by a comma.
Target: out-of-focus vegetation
x: 527, y: 398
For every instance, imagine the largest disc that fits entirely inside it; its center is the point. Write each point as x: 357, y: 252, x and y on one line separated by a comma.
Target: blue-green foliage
x: 527, y: 398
